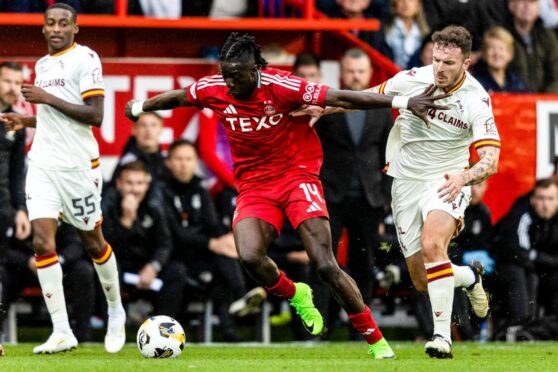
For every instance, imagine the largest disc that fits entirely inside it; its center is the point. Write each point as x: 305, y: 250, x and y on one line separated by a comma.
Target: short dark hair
x: 544, y: 183
x: 152, y: 113
x: 12, y: 66
x: 306, y: 59
x: 134, y: 165
x: 454, y: 36
x: 64, y: 6
x: 181, y: 142
x: 240, y: 48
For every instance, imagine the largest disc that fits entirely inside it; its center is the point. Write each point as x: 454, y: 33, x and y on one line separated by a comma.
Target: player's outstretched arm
x: 485, y: 167
x: 364, y: 100
x: 91, y: 113
x: 164, y: 101
x: 13, y: 121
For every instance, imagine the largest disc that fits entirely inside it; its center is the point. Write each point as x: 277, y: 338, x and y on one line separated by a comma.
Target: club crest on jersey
x: 268, y: 107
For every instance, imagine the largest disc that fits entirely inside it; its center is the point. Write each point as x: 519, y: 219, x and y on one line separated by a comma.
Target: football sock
x: 365, y: 324
x: 105, y: 266
x: 464, y: 276
x: 284, y: 287
x: 440, y: 289
x: 49, y: 272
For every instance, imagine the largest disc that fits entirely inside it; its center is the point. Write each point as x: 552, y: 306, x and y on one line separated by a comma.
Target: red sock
x: 365, y: 324
x: 284, y: 287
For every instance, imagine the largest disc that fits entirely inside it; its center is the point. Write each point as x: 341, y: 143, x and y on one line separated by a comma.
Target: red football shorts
x: 299, y: 197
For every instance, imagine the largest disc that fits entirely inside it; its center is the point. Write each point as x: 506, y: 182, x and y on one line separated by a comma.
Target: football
x: 161, y: 337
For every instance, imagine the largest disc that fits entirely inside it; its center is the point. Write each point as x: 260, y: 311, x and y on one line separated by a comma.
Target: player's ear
x: 76, y: 29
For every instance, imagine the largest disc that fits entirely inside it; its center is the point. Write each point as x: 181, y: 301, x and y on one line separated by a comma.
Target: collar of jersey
x: 458, y: 85
x: 64, y: 51
x: 259, y: 79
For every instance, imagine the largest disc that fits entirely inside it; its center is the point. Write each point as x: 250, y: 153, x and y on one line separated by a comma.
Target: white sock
x: 107, y: 271
x: 49, y: 272
x: 464, y: 276
x: 440, y: 290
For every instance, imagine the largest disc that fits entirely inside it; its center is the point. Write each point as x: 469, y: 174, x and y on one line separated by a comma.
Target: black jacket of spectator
x: 155, y: 162
x: 477, y: 234
x: 525, y: 239
x: 191, y: 217
x: 342, y: 156
x: 12, y: 169
x: 536, y: 63
x: 147, y: 240
x: 513, y: 84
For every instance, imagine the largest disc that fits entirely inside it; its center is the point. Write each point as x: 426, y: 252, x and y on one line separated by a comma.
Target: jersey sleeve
x: 482, y: 122
x: 195, y: 92
x: 397, y: 85
x: 91, y: 76
x: 295, y: 91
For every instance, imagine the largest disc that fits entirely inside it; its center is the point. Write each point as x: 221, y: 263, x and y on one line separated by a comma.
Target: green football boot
x: 381, y: 350
x: 304, y: 306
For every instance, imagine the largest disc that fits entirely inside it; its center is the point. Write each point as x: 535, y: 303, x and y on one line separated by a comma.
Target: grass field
x: 339, y: 357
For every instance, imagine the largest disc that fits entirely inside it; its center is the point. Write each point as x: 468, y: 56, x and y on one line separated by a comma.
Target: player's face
x: 356, y: 73
x: 133, y: 182
x: 241, y: 78
x: 309, y: 72
x: 497, y: 54
x: 59, y: 29
x: 183, y: 162
x: 10, y: 85
x: 449, y: 65
x: 545, y: 201
x: 147, y: 131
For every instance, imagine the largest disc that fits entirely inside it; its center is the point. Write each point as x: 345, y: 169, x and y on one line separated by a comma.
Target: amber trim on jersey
x: 458, y: 85
x: 486, y: 142
x: 42, y: 262
x: 95, y: 163
x: 386, y: 168
x: 93, y: 93
x: 99, y: 223
x: 383, y: 87
x: 63, y: 51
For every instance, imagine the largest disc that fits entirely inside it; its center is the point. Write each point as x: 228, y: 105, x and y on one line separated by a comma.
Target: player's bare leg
x: 252, y: 238
x: 316, y: 236
x: 49, y: 273
x: 107, y: 271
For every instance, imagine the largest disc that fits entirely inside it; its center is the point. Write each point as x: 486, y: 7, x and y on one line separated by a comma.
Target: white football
x: 161, y: 337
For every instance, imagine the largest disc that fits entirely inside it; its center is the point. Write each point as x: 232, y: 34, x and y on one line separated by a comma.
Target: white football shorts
x: 75, y: 196
x: 411, y: 203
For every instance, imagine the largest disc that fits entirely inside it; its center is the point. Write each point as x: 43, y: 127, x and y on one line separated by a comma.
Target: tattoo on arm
x: 486, y: 167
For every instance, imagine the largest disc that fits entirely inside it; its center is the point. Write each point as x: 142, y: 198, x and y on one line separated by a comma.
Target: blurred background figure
x: 492, y: 71
x: 405, y: 28
x: 307, y: 66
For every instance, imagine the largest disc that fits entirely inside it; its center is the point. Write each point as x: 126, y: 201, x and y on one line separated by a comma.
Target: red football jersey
x: 266, y: 142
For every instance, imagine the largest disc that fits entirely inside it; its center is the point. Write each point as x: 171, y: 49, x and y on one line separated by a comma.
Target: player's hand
x: 315, y: 113
x: 128, y: 110
x: 22, y: 225
x: 146, y: 276
x: 12, y: 121
x: 34, y: 94
x: 451, y: 188
x: 421, y: 104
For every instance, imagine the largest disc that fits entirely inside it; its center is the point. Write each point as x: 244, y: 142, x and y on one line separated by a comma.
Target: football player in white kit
x: 432, y: 178
x: 64, y: 178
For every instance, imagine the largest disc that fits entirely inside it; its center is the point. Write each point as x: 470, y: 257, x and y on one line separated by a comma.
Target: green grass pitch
x: 338, y: 357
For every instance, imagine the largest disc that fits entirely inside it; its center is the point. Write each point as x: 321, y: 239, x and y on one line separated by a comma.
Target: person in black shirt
x: 526, y: 254
x: 136, y: 226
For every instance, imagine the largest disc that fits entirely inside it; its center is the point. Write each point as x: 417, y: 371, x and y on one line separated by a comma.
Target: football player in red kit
x: 277, y: 162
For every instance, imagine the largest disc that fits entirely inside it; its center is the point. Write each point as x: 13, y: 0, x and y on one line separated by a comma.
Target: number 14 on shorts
x: 312, y: 193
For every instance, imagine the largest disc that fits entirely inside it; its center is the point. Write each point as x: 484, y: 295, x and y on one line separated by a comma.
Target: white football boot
x: 116, y: 331
x: 476, y: 293
x: 57, y: 342
x: 439, y: 348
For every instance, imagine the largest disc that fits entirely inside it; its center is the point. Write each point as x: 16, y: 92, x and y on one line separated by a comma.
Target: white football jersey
x: 60, y: 142
x: 418, y: 153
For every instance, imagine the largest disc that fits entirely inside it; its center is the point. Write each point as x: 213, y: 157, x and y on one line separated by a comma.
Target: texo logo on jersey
x: 245, y: 124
